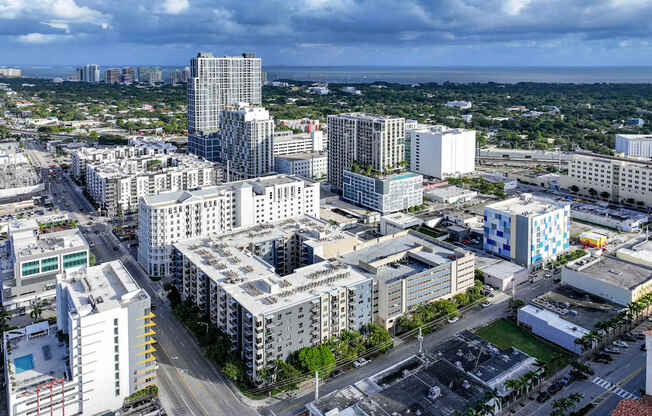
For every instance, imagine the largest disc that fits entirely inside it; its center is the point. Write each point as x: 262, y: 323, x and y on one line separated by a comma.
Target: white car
x: 360, y: 362
x: 485, y: 304
x: 621, y: 344
x: 453, y: 319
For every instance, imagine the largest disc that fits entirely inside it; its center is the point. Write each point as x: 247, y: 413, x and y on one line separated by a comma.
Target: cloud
x: 175, y: 6
x: 354, y: 29
x: 39, y: 38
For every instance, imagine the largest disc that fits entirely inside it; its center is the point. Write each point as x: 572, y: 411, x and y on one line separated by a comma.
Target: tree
x: 232, y: 371
x: 574, y: 189
x: 593, y: 192
x: 318, y: 358
x: 377, y: 337
x: 514, y: 387
x: 37, y: 310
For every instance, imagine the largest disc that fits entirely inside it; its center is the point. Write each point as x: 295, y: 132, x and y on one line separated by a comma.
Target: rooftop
x: 483, y: 360
x: 449, y: 191
x: 420, y: 253
x: 526, y: 205
x: 367, y: 116
x: 613, y: 271
x: 100, y: 288
x: 437, y: 389
x: 554, y: 320
x: 303, y: 156
x: 252, y: 281
x: 34, y: 245
x: 502, y: 269
x: 45, y: 354
x: 139, y: 166
x: 401, y: 218
x: 439, y: 129
x: 208, y: 192
x: 580, y: 309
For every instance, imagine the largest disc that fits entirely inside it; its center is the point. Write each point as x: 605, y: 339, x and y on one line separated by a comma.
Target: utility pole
x: 316, y: 385
x: 420, y: 339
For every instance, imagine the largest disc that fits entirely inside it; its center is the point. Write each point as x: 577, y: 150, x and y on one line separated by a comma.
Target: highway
x: 188, y: 383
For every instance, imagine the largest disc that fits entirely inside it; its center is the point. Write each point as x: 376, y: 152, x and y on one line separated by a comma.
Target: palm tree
x: 492, y: 396
x: 514, y: 386
x: 37, y: 310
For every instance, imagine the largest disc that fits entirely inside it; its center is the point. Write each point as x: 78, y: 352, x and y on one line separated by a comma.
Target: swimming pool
x: 24, y: 363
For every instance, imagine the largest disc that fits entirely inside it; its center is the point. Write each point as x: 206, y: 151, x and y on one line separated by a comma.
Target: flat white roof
x: 502, y: 269
x: 526, y: 205
x: 449, y: 191
x: 100, y: 288
x: 400, y: 218
x: 556, y: 321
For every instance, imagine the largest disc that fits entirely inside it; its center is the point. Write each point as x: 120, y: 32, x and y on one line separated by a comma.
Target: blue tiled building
x: 527, y: 230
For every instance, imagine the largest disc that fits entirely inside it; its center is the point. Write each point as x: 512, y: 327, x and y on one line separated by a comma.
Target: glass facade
x: 49, y: 264
x: 75, y: 259
x: 29, y: 268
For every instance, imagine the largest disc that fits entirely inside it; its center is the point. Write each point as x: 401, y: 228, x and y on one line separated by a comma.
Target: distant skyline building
x: 129, y: 75
x: 10, y: 72
x: 368, y: 140
x: 91, y: 73
x: 218, y: 82
x: 150, y: 74
x: 112, y: 76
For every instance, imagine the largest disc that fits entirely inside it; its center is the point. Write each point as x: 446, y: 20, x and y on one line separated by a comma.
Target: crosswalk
x: 613, y: 388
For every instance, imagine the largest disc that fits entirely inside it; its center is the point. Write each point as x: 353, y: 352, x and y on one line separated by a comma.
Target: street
x: 188, y: 384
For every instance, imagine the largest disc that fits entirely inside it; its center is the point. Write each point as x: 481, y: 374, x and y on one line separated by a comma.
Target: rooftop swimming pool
x: 24, y: 363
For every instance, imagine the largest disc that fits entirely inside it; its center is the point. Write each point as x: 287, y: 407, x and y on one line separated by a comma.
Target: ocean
x: 411, y: 75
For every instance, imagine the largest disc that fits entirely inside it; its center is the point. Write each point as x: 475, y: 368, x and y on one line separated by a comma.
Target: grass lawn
x: 505, y: 334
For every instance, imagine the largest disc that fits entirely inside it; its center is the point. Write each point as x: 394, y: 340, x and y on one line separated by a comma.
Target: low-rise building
x: 503, y: 275
x: 385, y: 194
x: 398, y: 221
x: 552, y: 327
x: 170, y: 217
x: 449, y: 194
x: 592, y: 239
x: 610, y: 278
x: 618, y: 179
x: 99, y: 352
x: 311, y: 165
x: 462, y: 105
x: 620, y: 219
x: 35, y: 252
x: 528, y: 230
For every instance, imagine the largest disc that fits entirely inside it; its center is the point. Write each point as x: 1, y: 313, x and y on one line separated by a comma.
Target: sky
x: 329, y: 32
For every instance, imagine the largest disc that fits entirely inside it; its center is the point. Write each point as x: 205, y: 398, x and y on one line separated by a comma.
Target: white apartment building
x: 138, y: 146
x: 634, y: 145
x: 617, y: 179
x: 117, y: 186
x: 370, y: 140
x: 99, y: 352
x: 10, y: 72
x: 286, y: 142
x: 462, y: 105
x: 218, y: 82
x: 245, y: 141
x: 440, y: 151
x: 170, y: 217
x: 311, y: 165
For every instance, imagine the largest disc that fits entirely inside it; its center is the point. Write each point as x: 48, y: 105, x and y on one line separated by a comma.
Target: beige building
x: 607, y: 177
x: 366, y: 139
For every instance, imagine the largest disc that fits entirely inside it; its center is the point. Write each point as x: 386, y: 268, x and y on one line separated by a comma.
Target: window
x: 74, y: 259
x: 48, y: 264
x: 29, y: 268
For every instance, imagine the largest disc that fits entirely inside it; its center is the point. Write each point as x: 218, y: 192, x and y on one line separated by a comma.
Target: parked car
x: 643, y: 347
x: 555, y: 388
x: 621, y: 344
x: 485, y: 304
x: 453, y: 319
x: 610, y: 350
x: 629, y: 338
x: 360, y: 362
x: 639, y: 336
x: 543, y: 396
